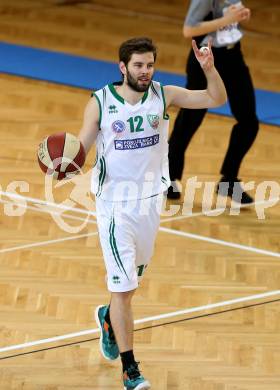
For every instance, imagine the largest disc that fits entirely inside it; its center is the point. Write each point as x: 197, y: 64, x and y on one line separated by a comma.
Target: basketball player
x: 128, y: 121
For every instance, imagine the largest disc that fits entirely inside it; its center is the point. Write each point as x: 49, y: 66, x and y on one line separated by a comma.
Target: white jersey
x: 132, y: 146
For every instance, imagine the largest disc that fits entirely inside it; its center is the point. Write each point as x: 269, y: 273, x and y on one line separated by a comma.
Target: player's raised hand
x: 204, y: 55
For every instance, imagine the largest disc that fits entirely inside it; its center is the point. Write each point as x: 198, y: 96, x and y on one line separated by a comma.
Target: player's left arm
x: 215, y: 95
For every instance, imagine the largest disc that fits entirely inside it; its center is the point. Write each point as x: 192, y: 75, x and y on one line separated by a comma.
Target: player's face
x: 139, y: 71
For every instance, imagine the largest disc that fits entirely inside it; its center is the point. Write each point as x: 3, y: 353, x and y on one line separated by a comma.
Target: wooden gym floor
x: 203, y: 266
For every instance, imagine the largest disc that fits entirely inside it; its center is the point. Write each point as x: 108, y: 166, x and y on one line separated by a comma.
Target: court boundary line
x: 45, y: 210
x: 46, y: 203
x: 220, y: 242
x: 48, y: 242
x: 202, y: 238
x: 142, y: 320
x: 147, y: 327
x: 92, y: 213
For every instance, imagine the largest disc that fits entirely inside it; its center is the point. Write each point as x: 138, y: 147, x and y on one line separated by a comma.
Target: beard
x: 133, y: 83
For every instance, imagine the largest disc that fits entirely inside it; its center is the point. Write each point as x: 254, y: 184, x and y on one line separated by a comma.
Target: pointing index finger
x: 195, y: 48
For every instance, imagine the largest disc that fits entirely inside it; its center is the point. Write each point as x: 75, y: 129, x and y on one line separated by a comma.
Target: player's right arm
x: 215, y: 95
x: 90, y: 127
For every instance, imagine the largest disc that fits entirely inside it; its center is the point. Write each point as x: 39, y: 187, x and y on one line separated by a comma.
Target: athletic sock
x: 127, y: 359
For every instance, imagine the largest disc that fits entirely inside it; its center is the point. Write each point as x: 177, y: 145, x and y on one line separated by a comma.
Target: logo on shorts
x: 118, y: 126
x: 116, y: 279
x: 153, y: 120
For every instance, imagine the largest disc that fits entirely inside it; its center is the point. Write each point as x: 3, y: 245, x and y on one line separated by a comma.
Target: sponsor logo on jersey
x: 118, y: 126
x: 153, y: 120
x: 113, y: 109
x: 137, y: 143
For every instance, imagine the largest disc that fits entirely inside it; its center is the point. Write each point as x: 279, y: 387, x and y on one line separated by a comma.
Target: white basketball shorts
x: 127, y: 232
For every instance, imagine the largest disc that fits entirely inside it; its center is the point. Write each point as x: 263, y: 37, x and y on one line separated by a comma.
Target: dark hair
x: 136, y: 45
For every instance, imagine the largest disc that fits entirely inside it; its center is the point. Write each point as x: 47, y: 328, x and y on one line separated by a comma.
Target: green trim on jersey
x: 144, y: 98
x: 115, y: 93
x: 121, y: 99
x: 114, y: 248
x: 100, y: 108
x: 154, y: 90
x: 165, y: 115
x: 101, y: 175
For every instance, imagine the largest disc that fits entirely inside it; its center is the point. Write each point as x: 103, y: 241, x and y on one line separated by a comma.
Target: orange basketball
x: 60, y: 155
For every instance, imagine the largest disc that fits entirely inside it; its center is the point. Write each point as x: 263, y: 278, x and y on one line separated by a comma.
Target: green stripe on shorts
x: 114, y: 248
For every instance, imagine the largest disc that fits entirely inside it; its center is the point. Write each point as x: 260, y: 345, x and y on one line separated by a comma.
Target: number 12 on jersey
x: 135, y: 123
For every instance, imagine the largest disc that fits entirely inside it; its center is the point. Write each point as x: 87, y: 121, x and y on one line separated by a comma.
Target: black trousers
x: 236, y: 76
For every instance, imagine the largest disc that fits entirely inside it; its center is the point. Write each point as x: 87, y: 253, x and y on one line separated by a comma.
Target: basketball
x: 61, y: 155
